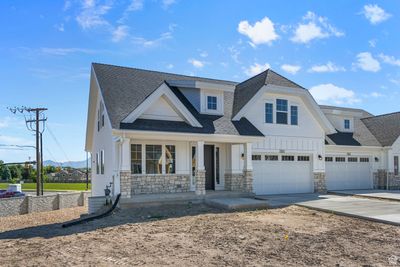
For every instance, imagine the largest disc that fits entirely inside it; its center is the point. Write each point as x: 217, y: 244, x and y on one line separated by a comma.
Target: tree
x: 6, y: 174
x: 1, y: 169
x: 15, y: 171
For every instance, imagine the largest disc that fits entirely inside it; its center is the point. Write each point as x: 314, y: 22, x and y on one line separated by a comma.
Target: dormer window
x: 211, y: 102
x: 281, y: 111
x: 347, y: 124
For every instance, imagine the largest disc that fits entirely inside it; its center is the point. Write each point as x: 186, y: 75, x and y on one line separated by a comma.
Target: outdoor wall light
x: 319, y: 157
x: 242, y: 156
x: 376, y: 159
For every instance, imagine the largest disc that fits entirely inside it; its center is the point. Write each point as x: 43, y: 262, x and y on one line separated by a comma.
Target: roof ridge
x: 248, y: 79
x: 382, y: 115
x: 163, y: 72
x: 285, y: 78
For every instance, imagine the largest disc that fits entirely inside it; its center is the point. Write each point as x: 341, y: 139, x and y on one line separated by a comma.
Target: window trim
x: 208, y: 97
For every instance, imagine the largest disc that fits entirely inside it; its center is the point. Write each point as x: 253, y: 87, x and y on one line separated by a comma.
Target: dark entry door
x: 209, y: 165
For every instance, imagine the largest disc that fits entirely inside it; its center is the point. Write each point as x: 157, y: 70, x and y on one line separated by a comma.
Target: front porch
x: 189, y: 170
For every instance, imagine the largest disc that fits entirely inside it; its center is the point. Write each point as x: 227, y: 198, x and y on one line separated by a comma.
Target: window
x: 281, y: 111
x: 256, y: 157
x: 303, y: 158
x: 212, y: 102
x: 396, y: 165
x: 136, y: 159
x: 153, y: 159
x: 170, y: 157
x: 193, y: 161
x: 271, y: 157
x: 217, y: 164
x: 352, y: 159
x: 102, y: 162
x: 294, y: 115
x: 97, y: 163
x: 328, y: 159
x: 347, y: 124
x: 269, y: 113
x: 364, y: 159
x: 340, y: 159
x: 100, y: 116
x: 287, y: 158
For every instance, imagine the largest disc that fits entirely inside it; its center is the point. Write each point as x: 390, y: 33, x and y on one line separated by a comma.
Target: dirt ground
x: 193, y: 235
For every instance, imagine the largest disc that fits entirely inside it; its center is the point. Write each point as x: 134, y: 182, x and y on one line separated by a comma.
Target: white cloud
x: 234, y: 54
x: 397, y: 82
x: 367, y: 62
x: 204, y: 54
x: 256, y: 68
x: 146, y: 43
x: 372, y: 42
x: 167, y: 3
x: 262, y: 32
x: 328, y: 67
x: 196, y: 63
x: 59, y: 27
x: 375, y: 14
x: 91, y: 15
x: 314, y: 27
x: 65, y: 51
x: 376, y: 94
x: 389, y: 60
x: 292, y: 69
x: 170, y: 66
x: 120, y: 33
x: 67, y: 5
x: 332, y: 94
x: 135, y: 5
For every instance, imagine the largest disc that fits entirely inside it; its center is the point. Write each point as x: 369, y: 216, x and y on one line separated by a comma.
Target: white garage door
x: 286, y: 174
x: 348, y: 173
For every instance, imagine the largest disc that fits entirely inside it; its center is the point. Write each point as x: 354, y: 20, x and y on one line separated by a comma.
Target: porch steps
x: 178, y: 198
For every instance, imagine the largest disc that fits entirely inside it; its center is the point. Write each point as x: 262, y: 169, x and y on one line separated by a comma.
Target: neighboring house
x: 154, y: 132
x: 68, y: 175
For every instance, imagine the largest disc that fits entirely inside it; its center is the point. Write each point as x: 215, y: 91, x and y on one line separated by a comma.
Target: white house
x: 151, y: 132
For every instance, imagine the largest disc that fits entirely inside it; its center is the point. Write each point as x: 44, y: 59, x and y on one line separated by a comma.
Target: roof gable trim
x: 163, y: 91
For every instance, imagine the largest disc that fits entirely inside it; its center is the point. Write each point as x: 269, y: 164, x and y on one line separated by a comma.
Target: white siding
x: 161, y: 110
x: 338, y: 122
x: 306, y: 137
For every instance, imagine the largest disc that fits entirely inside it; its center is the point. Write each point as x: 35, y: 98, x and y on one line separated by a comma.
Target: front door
x: 209, y: 165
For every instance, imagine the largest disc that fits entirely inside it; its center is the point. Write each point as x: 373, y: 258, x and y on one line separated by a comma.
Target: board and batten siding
x: 307, y: 137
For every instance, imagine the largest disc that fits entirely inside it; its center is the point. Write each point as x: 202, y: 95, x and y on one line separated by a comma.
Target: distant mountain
x: 72, y: 164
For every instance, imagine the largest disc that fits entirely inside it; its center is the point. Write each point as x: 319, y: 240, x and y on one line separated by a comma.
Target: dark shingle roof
x: 342, y: 139
x: 123, y: 89
x: 386, y: 128
x: 246, y: 90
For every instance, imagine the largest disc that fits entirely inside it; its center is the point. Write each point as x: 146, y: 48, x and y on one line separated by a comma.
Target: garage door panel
x: 348, y: 175
x: 277, y: 177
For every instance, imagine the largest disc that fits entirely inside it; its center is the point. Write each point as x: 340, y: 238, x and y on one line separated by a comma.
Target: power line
x: 58, y: 143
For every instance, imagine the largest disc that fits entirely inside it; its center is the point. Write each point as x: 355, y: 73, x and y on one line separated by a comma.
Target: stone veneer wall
x: 153, y: 184
x: 384, y: 179
x: 247, y: 181
x: 30, y: 204
x: 319, y: 182
x: 200, y: 182
x: 234, y: 181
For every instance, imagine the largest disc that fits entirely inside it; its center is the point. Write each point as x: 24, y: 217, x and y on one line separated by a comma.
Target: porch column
x: 248, y: 168
x: 125, y: 172
x: 200, y: 169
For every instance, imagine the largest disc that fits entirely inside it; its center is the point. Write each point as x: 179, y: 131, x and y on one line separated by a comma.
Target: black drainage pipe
x: 99, y: 216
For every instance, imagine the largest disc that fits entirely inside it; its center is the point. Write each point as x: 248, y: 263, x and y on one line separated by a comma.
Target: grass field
x: 52, y: 186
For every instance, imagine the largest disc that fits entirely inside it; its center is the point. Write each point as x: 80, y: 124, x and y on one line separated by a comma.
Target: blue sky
x: 346, y: 52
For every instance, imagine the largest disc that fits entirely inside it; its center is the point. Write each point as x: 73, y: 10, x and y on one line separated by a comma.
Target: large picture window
x: 153, y: 159
x: 136, y: 159
x: 170, y: 158
x: 281, y: 111
x: 269, y: 113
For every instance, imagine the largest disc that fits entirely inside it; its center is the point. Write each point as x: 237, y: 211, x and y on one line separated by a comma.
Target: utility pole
x: 41, y: 164
x: 30, y: 121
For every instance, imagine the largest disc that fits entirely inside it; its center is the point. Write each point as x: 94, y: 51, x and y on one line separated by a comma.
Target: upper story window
x: 100, y: 116
x: 269, y: 113
x: 212, y: 102
x: 281, y: 111
x: 294, y: 114
x: 347, y: 124
x: 396, y: 165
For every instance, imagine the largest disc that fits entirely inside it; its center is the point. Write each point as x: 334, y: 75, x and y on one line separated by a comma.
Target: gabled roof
x: 124, y: 89
x: 386, y: 127
x: 246, y: 90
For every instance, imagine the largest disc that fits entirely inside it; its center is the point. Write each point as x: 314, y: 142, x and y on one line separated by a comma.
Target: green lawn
x: 52, y: 186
